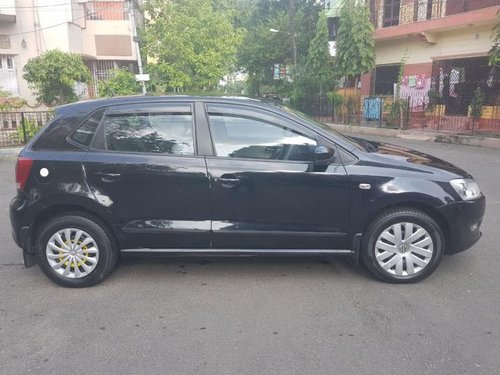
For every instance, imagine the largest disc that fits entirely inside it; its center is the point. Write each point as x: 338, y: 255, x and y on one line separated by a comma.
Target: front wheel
x: 403, y: 246
x: 75, y: 251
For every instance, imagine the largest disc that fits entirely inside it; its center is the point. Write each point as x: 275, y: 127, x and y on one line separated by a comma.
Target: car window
x: 159, y: 133
x: 238, y: 136
x: 84, y: 134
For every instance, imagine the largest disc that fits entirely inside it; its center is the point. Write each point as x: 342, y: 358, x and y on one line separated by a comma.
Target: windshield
x: 355, y: 142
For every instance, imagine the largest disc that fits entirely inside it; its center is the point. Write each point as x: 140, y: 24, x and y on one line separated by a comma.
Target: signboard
x: 142, y: 77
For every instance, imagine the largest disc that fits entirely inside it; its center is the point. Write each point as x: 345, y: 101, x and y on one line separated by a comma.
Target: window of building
x: 385, y: 78
x: 456, y: 79
x: 5, y: 42
x: 157, y: 133
x: 8, y: 79
x: 391, y: 12
x: 243, y: 137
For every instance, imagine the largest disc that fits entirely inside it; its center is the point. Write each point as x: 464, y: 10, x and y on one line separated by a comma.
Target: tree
x: 261, y: 49
x: 317, y: 75
x: 494, y: 53
x: 122, y: 82
x: 53, y: 76
x: 319, y: 63
x: 355, y: 44
x: 189, y: 45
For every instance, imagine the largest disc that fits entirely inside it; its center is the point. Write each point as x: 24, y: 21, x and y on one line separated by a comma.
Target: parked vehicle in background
x: 208, y: 175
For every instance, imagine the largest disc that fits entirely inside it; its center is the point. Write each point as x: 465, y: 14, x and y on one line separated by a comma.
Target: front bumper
x: 464, y: 221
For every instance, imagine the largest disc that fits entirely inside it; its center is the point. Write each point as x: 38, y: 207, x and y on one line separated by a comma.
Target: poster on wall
x: 415, y: 88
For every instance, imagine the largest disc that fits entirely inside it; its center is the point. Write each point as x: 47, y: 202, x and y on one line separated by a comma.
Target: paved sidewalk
x: 469, y: 140
x: 9, y: 151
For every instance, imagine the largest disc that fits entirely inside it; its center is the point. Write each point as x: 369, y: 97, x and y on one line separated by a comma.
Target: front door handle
x: 229, y: 181
x: 108, y: 176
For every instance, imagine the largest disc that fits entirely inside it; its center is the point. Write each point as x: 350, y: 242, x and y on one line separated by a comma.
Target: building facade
x: 443, y: 47
x: 99, y: 31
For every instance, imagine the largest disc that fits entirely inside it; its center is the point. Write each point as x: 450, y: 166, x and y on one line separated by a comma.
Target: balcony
x: 399, y: 12
x: 8, y: 12
x: 426, y: 18
x: 107, y: 11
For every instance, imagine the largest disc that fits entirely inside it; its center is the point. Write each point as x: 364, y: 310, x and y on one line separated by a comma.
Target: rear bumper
x: 20, y: 231
x: 464, y: 223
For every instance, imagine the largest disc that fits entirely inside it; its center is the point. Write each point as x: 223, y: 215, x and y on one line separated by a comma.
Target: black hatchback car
x: 230, y: 176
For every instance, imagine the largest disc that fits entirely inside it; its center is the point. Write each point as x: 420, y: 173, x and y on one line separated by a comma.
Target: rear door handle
x: 108, y: 176
x: 229, y: 181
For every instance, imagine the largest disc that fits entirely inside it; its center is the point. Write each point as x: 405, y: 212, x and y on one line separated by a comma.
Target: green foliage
x: 235, y: 88
x: 398, y: 113
x: 494, y: 53
x: 399, y: 106
x: 53, y: 75
x: 337, y: 100
x: 261, y: 49
x: 121, y: 83
x: 355, y: 44
x: 189, y: 44
x: 30, y: 127
x: 319, y: 64
x: 434, y: 99
x: 352, y: 104
x: 476, y: 104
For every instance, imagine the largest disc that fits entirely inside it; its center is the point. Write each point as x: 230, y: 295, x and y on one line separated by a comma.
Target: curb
x: 10, y: 152
x: 457, y: 139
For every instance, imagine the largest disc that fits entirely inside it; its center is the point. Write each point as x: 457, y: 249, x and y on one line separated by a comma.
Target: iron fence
x: 18, y: 127
x: 411, y: 112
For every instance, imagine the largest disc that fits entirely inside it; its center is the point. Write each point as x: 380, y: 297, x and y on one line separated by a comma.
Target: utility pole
x: 136, y: 42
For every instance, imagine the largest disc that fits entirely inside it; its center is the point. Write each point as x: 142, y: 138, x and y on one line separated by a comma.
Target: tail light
x: 23, y: 169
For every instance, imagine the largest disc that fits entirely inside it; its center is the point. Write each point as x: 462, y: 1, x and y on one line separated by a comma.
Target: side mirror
x: 323, y: 155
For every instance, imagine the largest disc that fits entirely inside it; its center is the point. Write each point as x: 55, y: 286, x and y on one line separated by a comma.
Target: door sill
x: 237, y: 252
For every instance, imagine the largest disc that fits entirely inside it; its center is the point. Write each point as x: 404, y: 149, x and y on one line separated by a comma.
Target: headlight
x: 467, y: 188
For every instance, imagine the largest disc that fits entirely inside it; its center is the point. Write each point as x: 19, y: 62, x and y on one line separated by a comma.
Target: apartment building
x: 99, y: 31
x: 444, y: 46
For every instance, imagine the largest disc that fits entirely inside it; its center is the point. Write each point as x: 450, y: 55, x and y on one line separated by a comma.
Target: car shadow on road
x: 239, y: 266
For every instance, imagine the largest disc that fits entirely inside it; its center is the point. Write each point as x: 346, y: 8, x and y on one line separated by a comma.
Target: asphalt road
x: 228, y: 316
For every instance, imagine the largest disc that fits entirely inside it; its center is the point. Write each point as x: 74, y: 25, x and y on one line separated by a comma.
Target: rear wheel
x: 403, y: 246
x: 75, y: 251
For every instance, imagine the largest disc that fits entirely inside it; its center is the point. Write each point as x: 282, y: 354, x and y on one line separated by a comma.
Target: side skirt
x: 236, y: 252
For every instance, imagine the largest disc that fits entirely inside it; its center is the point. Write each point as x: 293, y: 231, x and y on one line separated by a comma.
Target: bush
x: 122, y: 82
x: 31, y: 128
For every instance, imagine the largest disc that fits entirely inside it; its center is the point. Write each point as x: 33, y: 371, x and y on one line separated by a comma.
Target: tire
x: 85, y: 259
x: 390, y: 251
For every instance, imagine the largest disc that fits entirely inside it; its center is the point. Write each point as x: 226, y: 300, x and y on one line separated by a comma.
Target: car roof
x: 93, y: 104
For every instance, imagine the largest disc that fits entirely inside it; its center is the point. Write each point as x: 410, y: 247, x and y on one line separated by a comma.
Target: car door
x: 266, y: 192
x: 143, y: 169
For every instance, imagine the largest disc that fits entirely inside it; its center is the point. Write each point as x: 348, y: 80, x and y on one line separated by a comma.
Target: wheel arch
x: 417, y: 205
x: 63, y: 209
